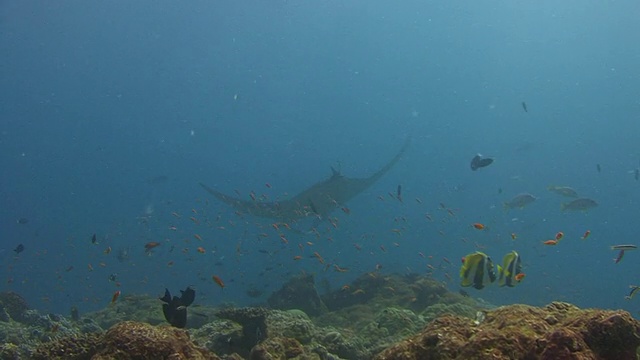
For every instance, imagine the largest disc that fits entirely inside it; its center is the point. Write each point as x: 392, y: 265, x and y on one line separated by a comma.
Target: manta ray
x: 319, y: 200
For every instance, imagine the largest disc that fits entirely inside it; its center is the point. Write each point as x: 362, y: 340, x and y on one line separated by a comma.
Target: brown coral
x: 70, y: 347
x: 133, y: 340
x: 558, y: 331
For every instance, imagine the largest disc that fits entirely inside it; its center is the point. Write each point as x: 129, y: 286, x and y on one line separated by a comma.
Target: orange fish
x: 519, y: 276
x: 586, y: 234
x: 297, y: 257
x: 218, y: 281
x: 201, y: 250
x: 319, y: 257
x: 559, y: 235
x: 478, y: 226
x: 115, y: 296
x: 150, y: 245
x: 340, y: 269
x: 550, y: 242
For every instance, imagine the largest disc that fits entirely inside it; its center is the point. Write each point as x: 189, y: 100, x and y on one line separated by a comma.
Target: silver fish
x: 563, y: 190
x: 582, y: 204
x: 520, y: 201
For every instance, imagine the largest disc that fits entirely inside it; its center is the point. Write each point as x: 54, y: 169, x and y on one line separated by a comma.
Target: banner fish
x: 477, y: 270
x: 510, y: 273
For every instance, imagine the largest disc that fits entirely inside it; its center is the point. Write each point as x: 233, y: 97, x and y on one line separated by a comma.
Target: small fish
x: 479, y: 162
x: 94, y: 239
x: 619, y: 257
x: 519, y: 277
x: 550, y: 242
x: 218, y: 281
x: 634, y: 290
x: 586, y: 235
x: 563, y: 190
x: 19, y: 249
x: 624, y: 247
x: 559, y: 235
x: 201, y: 250
x: 514, y: 236
x: 22, y: 221
x: 150, y: 245
x: 520, y: 201
x: 107, y: 251
x: 598, y: 167
x: 582, y: 204
x: 399, y: 193
x: 524, y: 106
x: 636, y: 174
x: 115, y: 296
x: 478, y: 226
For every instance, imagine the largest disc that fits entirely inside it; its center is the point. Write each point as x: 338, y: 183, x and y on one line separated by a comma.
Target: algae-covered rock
x: 77, y: 347
x: 221, y: 336
x: 13, y: 305
x: 298, y: 293
x: 436, y: 310
x: 133, y: 340
x: 557, y: 331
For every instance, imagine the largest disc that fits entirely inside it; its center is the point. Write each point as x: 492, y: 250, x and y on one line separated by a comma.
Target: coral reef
x: 126, y: 340
x: 12, y: 306
x: 557, y: 331
x: 298, y: 293
x: 133, y: 340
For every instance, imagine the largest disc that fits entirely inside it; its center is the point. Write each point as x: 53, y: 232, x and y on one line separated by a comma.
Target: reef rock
x: 298, y: 293
x: 12, y: 306
x: 133, y: 340
x: 557, y: 331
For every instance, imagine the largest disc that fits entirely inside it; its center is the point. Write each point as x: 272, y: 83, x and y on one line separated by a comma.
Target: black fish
x: 175, y: 309
x: 479, y: 162
x: 94, y: 240
x: 19, y: 249
x: 636, y: 174
x: 524, y: 106
x: 321, y: 198
x: 598, y: 168
x: 399, y: 193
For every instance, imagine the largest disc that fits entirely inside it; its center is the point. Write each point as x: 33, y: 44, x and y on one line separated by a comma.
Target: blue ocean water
x: 112, y: 112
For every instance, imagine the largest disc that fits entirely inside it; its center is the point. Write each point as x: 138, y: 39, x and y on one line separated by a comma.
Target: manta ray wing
x: 318, y: 200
